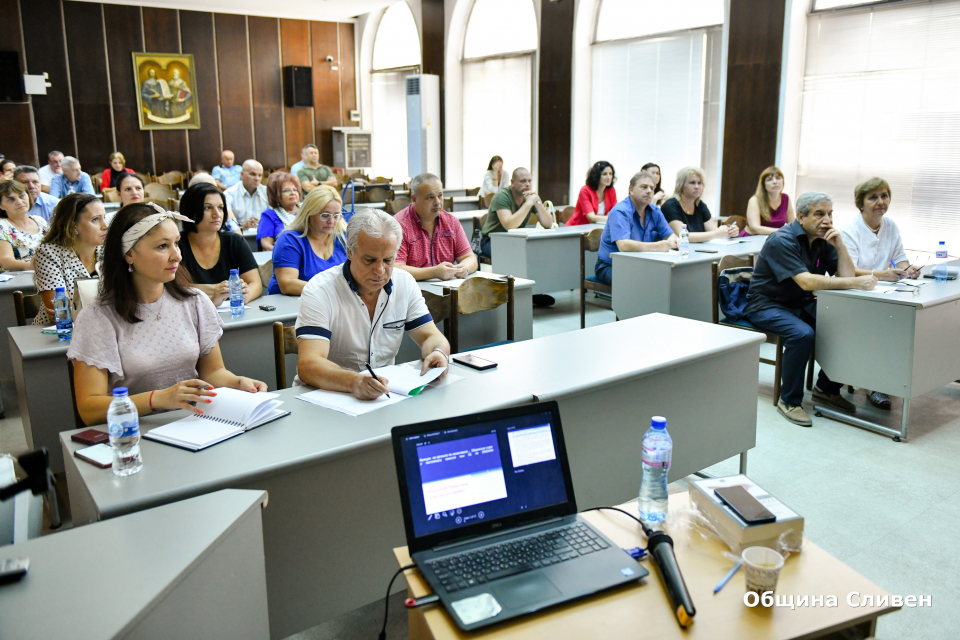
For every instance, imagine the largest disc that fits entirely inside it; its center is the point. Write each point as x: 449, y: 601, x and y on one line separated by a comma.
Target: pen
x: 367, y: 364
x: 726, y: 578
x: 894, y: 265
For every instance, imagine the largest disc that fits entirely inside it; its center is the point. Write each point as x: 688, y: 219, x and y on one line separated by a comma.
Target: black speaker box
x: 298, y: 86
x: 11, y: 80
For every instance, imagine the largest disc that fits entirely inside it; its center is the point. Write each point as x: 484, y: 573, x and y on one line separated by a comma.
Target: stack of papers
x: 403, y: 383
x: 724, y: 241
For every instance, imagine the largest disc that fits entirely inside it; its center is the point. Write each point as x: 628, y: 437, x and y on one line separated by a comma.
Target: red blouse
x: 588, y: 202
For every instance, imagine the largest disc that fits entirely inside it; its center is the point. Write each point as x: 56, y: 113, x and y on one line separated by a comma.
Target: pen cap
x: 658, y: 422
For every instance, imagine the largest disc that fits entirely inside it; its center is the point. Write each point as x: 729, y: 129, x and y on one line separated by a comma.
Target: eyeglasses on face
x: 328, y: 216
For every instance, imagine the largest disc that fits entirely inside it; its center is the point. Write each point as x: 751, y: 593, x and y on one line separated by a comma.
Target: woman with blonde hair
x: 686, y: 208
x: 769, y: 208
x: 313, y: 242
x: 114, y: 173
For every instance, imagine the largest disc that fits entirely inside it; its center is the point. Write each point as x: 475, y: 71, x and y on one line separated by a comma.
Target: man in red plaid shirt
x: 434, y: 244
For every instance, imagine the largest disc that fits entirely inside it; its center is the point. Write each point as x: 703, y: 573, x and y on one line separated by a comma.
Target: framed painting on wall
x: 166, y: 94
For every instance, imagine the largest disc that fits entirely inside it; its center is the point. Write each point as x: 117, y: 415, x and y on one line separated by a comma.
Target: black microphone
x: 660, y: 547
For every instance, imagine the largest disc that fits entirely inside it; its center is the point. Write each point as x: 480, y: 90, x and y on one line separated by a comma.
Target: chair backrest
x: 382, y: 180
x: 95, y: 180
x: 448, y: 203
x: 171, y: 178
x: 284, y: 342
x: 740, y: 221
x: 485, y: 200
x: 480, y: 294
x: 726, y: 262
x: 85, y: 291
x: 379, y: 194
x: 266, y: 273
x: 26, y: 307
x: 158, y: 191
x: 472, y: 192
x: 565, y: 215
x: 110, y: 195
x: 400, y: 203
x: 591, y: 241
x: 438, y: 306
x: 77, y: 420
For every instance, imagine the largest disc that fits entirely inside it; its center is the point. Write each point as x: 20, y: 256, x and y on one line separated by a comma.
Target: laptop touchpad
x: 518, y: 592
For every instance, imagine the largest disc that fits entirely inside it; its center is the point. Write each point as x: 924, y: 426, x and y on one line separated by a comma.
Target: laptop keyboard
x: 479, y: 566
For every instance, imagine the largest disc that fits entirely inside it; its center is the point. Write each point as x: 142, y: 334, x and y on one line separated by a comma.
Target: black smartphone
x: 745, y: 505
x: 472, y: 361
x: 268, y: 307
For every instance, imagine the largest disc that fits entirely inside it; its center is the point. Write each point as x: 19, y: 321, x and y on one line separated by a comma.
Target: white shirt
x: 46, y: 175
x: 489, y: 185
x: 870, y: 250
x: 331, y: 309
x: 246, y: 205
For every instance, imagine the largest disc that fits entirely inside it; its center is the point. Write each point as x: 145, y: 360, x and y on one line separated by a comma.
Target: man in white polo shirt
x: 356, y: 313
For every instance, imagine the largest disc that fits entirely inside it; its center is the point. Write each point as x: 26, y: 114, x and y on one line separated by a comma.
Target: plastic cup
x: 761, y: 566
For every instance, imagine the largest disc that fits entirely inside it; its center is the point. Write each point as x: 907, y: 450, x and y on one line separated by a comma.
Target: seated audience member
x: 43, y: 203
x: 202, y: 177
x: 130, y: 188
x: 72, y: 180
x: 793, y: 265
x: 283, y: 196
x: 7, y: 167
x: 312, y: 174
x: 598, y: 197
x: 20, y: 233
x: 634, y: 224
x: 337, y: 336
x: 247, y: 199
x: 112, y: 174
x: 769, y: 208
x: 299, y: 165
x: 71, y: 249
x: 494, y: 179
x: 686, y: 208
x: 54, y: 167
x: 149, y: 330
x: 434, y: 243
x: 511, y: 206
x: 659, y: 195
x: 228, y: 173
x: 209, y: 252
x: 312, y: 243
x: 874, y: 244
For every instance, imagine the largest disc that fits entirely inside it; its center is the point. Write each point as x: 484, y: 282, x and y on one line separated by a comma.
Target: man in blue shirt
x: 72, y: 180
x: 43, y: 204
x: 634, y: 225
x: 228, y: 173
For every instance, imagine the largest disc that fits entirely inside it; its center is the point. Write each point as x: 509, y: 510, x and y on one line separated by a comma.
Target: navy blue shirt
x: 623, y: 223
x: 786, y: 253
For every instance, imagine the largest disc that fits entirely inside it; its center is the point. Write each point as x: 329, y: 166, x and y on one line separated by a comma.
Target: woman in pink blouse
x: 597, y: 197
x: 769, y: 208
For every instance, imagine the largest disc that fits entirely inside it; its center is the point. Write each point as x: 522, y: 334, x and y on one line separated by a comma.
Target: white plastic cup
x: 761, y: 566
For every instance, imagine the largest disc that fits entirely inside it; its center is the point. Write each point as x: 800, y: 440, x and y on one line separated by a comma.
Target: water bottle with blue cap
x: 123, y: 423
x: 655, y: 460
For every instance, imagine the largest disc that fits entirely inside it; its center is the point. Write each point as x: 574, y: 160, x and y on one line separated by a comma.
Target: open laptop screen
x: 463, y: 475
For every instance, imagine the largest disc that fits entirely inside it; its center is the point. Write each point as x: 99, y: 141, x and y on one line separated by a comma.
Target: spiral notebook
x: 231, y: 413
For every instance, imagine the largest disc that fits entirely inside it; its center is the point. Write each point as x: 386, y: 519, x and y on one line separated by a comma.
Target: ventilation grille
x: 413, y: 86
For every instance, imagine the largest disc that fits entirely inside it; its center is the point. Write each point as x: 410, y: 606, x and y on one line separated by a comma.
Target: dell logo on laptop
x: 496, y: 525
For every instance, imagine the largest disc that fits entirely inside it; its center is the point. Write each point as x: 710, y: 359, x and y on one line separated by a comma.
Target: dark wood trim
x: 197, y: 38
x: 555, y: 81
x: 267, y: 86
x: 326, y: 86
x: 431, y: 44
x: 17, y: 127
x: 295, y: 50
x: 233, y: 64
x: 124, y: 36
x: 161, y: 33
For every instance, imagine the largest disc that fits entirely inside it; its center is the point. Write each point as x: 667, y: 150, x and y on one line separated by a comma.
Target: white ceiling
x: 330, y: 10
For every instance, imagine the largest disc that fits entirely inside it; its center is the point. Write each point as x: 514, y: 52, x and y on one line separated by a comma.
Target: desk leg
x: 743, y: 463
x: 898, y: 436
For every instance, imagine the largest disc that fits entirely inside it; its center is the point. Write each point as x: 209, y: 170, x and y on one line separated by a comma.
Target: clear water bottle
x: 236, y: 294
x: 657, y: 451
x: 940, y: 266
x: 123, y: 422
x: 61, y: 313
x: 232, y: 225
x: 684, y: 243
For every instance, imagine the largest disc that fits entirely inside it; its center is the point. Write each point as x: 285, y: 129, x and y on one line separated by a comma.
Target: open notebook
x: 231, y: 413
x: 403, y: 382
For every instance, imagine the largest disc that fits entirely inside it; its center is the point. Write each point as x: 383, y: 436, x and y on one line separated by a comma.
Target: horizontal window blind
x: 881, y: 97
x: 620, y: 19
x: 496, y: 27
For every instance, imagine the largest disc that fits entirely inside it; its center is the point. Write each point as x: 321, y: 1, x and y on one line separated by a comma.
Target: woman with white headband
x: 149, y: 330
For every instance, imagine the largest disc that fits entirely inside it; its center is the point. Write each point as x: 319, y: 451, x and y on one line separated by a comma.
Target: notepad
x: 403, y: 383
x: 231, y: 413
x: 225, y: 306
x: 723, y: 241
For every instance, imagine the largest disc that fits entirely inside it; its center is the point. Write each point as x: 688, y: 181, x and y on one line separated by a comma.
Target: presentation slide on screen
x: 530, y: 446
x: 461, y: 473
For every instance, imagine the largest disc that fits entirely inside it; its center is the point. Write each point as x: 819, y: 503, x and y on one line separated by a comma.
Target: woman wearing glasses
x: 209, y: 251
x: 313, y: 242
x: 283, y: 194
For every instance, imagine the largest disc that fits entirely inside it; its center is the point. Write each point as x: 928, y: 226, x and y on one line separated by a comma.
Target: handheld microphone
x: 660, y: 547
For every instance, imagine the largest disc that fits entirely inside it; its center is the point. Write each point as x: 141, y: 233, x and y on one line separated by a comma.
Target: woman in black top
x: 209, y: 252
x: 686, y: 208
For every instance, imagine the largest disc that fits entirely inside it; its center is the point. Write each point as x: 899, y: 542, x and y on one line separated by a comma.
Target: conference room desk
x: 20, y: 282
x: 465, y: 203
x: 43, y: 389
x: 262, y: 256
x: 483, y: 327
x: 642, y: 611
x: 648, y: 282
x: 611, y: 379
x: 550, y: 257
x: 192, y: 569
x: 466, y: 217
x: 334, y: 512
x: 250, y: 235
x: 900, y: 344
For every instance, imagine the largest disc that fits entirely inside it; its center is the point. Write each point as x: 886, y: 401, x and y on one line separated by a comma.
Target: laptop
x: 491, y: 519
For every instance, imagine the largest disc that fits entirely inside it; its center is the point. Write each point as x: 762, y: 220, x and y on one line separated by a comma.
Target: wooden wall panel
x: 298, y: 121
x: 16, y: 130
x: 431, y: 44
x: 90, y: 84
x: 45, y: 54
x: 233, y: 63
x: 197, y: 37
x: 326, y: 86
x: 750, y: 121
x: 555, y: 101
x: 267, y: 85
x: 348, y: 74
x: 161, y: 32
x: 125, y: 35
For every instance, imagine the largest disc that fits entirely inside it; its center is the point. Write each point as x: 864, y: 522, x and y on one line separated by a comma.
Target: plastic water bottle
x: 236, y: 294
x: 657, y: 451
x: 684, y: 243
x: 123, y: 422
x: 940, y: 266
x: 61, y: 313
x: 232, y: 225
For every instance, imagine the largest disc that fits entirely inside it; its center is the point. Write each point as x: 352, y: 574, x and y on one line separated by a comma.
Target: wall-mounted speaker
x: 298, y: 86
x: 11, y: 79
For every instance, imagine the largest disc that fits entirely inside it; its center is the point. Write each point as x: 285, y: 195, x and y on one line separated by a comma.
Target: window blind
x: 881, y: 97
x: 620, y: 19
x: 390, y: 124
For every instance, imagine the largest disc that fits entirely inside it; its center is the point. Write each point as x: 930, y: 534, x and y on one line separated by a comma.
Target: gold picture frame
x: 166, y: 91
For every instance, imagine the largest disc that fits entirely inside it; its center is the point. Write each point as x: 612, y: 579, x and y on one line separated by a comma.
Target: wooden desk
x: 643, y: 610
x: 466, y: 216
x: 550, y: 257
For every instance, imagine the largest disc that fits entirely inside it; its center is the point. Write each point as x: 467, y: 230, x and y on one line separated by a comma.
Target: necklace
x: 159, y: 310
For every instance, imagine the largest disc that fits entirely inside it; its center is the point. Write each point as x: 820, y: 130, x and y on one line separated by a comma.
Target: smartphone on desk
x: 472, y: 361
x: 90, y: 437
x: 745, y: 505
